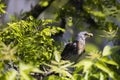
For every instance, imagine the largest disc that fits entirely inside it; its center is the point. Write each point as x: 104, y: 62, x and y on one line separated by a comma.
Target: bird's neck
x: 82, y: 41
x: 80, y: 45
x: 81, y: 38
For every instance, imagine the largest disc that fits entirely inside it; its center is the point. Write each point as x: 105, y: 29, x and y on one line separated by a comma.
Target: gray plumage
x: 74, y: 50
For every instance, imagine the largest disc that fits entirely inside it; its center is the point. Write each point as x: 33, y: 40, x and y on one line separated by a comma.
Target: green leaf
x: 2, y: 7
x: 102, y: 76
x: 104, y: 68
x: 25, y: 70
x: 78, y: 77
x: 44, y: 3
x: 57, y: 56
x: 66, y: 65
x: 97, y: 13
x: 106, y: 51
x: 53, y: 77
x: 60, y: 68
x: 87, y: 75
x: 10, y: 75
x: 109, y: 61
x: 85, y: 63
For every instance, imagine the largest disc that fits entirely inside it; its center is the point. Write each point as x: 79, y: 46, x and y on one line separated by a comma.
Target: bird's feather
x: 72, y: 51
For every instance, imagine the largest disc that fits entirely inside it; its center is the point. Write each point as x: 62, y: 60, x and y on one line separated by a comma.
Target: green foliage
x: 100, y: 65
x: 29, y: 41
x: 60, y: 67
x: 22, y: 74
x: 10, y: 75
x: 25, y: 71
x: 26, y: 45
x: 2, y: 6
x: 95, y: 66
x: 35, y: 45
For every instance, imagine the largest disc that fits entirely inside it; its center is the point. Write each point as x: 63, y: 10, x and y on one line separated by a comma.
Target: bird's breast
x: 81, y: 47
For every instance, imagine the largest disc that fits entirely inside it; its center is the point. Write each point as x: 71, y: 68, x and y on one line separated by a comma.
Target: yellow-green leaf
x: 109, y: 61
x: 86, y: 63
x: 57, y: 56
x: 106, y: 51
x: 104, y: 68
x: 10, y: 75
x: 44, y: 3
x: 97, y: 13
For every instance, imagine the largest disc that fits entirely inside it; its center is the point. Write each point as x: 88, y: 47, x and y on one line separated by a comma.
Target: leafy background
x: 30, y: 49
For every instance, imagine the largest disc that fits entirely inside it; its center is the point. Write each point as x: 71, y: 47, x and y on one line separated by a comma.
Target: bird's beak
x: 90, y: 35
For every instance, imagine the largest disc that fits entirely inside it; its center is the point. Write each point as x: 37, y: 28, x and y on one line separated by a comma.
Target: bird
x: 73, y: 50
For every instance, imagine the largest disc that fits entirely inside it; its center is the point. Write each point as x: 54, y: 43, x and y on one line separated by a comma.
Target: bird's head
x: 83, y: 35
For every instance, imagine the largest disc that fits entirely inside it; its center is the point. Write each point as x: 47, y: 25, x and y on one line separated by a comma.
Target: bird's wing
x: 69, y: 50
